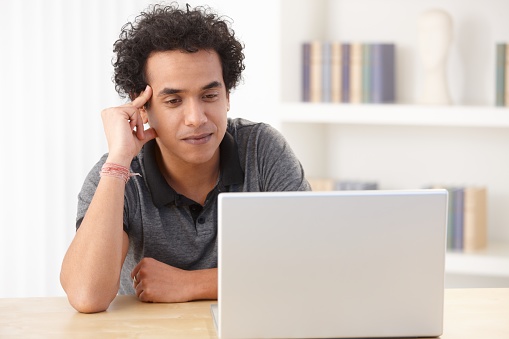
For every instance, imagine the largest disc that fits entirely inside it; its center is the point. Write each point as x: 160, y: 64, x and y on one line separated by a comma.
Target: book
x: 458, y: 213
x: 506, y: 87
x: 475, y: 219
x: 315, y: 71
x: 355, y: 185
x: 326, y: 72
x: 336, y: 72
x: 321, y: 184
x: 383, y: 77
x: 500, y: 74
x: 330, y: 184
x: 451, y: 213
x: 366, y: 73
x: 348, y: 72
x: 450, y: 218
x: 355, y: 73
x: 467, y: 217
x: 306, y: 53
x: 345, y: 72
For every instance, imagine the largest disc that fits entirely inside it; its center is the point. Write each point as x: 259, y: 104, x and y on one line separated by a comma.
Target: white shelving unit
x: 405, y: 145
x: 396, y: 115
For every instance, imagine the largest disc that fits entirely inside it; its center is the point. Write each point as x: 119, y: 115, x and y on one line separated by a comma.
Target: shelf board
x: 395, y: 114
x: 493, y: 261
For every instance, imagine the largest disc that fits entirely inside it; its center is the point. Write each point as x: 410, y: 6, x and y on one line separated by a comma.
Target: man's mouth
x: 198, y: 139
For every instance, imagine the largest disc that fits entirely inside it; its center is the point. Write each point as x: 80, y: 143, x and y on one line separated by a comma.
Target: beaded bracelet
x: 110, y: 169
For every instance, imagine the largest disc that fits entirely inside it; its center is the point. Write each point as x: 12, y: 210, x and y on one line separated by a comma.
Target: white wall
x: 55, y: 78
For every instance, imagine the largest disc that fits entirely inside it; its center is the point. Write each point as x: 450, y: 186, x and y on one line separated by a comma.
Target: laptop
x: 344, y: 264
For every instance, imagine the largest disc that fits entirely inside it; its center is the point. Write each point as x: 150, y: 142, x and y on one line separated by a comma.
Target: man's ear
x: 144, y: 114
x: 228, y: 101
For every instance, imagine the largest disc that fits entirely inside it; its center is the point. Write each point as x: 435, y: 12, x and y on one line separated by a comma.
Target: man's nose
x: 195, y: 113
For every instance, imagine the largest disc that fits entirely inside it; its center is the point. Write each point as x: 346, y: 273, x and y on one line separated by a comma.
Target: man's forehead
x: 183, y: 70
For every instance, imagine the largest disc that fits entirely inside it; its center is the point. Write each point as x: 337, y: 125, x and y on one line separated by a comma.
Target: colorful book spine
x: 345, y: 72
x: 321, y: 184
x: 506, y: 71
x: 383, y: 81
x: 330, y: 184
x: 475, y: 219
x: 467, y: 227
x: 500, y: 74
x: 355, y: 185
x: 366, y: 73
x: 326, y: 72
x: 316, y: 71
x: 450, y: 218
x: 306, y: 54
x: 336, y: 72
x: 458, y: 211
x: 348, y: 72
x: 355, y: 73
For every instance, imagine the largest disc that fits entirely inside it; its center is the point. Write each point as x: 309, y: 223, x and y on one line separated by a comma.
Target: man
x: 147, y: 211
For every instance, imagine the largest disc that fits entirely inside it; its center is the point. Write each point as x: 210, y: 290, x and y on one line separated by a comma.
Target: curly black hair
x: 164, y: 28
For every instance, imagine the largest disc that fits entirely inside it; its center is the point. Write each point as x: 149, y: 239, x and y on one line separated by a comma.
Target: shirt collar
x: 163, y: 194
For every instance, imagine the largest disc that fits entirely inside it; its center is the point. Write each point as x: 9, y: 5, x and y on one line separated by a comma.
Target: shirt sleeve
x: 279, y: 168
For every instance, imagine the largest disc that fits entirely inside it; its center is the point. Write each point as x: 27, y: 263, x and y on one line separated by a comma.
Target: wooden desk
x: 469, y: 313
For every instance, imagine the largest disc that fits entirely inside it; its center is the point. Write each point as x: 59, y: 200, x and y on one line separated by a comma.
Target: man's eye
x: 173, y: 101
x: 210, y: 96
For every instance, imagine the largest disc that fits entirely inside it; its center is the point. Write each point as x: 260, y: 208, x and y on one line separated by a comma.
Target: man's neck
x: 194, y: 181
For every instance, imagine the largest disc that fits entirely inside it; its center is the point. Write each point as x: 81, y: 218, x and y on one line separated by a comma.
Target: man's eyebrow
x: 213, y: 84
x: 169, y: 91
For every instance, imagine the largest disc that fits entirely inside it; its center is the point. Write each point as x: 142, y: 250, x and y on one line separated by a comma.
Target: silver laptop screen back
x: 331, y: 264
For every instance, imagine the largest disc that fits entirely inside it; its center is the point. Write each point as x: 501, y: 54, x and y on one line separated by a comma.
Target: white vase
x: 435, y: 36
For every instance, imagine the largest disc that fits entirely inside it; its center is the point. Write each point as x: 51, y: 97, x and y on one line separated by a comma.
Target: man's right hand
x: 124, y: 129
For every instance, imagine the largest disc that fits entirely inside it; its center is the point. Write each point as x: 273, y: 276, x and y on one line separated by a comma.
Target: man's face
x: 189, y: 104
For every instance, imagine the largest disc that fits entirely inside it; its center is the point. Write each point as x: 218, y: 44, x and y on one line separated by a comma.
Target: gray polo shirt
x: 169, y: 227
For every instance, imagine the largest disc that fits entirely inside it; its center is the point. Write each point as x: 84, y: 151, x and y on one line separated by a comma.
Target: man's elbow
x: 86, y: 299
x: 87, y: 303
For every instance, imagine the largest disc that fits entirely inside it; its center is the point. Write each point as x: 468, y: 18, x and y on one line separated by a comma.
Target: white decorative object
x: 435, y: 36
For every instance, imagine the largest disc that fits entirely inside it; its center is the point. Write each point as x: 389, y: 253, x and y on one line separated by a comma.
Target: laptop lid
x: 331, y: 264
